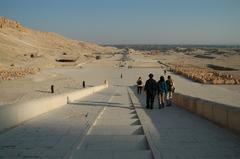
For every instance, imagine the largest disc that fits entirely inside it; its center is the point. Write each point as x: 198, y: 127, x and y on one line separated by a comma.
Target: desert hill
x: 23, y: 47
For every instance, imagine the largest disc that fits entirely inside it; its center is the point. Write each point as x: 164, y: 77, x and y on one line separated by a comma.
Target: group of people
x: 163, y: 89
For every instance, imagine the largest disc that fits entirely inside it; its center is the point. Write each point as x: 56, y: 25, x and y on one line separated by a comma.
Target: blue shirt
x: 162, y: 87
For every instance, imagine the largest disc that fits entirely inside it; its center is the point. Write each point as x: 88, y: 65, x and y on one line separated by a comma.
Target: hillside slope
x: 23, y: 47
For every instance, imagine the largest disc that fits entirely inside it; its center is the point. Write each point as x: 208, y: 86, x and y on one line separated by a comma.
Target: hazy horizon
x: 112, y: 22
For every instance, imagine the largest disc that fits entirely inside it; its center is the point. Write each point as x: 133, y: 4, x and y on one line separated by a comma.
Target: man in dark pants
x: 150, y: 89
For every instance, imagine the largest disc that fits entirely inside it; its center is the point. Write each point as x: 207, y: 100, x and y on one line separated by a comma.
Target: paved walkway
x: 214, y: 93
x: 116, y: 134
x: 54, y: 134
x: 105, y: 125
x: 176, y: 133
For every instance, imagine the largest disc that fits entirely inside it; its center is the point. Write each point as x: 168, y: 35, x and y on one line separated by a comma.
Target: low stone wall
x: 12, y: 115
x: 224, y: 115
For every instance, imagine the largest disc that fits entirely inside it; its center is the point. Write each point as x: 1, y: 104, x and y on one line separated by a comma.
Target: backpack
x: 169, y: 84
x: 139, y: 82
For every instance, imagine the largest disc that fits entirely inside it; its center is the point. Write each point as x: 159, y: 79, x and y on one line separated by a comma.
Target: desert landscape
x: 119, y: 79
x: 26, y: 56
x: 30, y: 50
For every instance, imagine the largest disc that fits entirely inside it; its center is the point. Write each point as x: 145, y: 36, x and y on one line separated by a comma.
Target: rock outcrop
x: 203, y: 75
x: 7, y: 23
x: 16, y: 73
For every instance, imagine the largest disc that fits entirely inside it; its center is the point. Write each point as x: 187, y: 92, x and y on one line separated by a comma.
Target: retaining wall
x: 12, y: 115
x: 225, y: 115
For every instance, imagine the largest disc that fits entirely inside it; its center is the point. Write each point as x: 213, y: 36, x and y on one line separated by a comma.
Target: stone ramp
x: 113, y: 154
x: 117, y: 133
x: 173, y: 132
x: 54, y: 134
x: 118, y: 130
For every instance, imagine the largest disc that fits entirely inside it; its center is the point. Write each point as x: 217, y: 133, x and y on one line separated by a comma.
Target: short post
x: 83, y: 84
x: 52, y: 88
x: 68, y: 100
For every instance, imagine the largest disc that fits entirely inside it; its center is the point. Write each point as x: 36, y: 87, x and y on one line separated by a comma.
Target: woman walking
x: 170, y: 90
x: 139, y: 85
x: 162, y: 92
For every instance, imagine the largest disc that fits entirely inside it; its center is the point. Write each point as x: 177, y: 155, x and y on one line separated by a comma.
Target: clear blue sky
x: 132, y: 21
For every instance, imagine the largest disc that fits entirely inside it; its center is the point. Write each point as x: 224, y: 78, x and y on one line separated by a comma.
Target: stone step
x: 117, y: 111
x: 134, y: 116
x: 119, y: 116
x: 118, y: 122
x: 144, y: 154
x: 133, y: 112
x: 115, y: 142
x: 117, y: 130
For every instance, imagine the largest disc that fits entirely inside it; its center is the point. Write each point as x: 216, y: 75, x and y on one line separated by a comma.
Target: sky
x: 132, y: 21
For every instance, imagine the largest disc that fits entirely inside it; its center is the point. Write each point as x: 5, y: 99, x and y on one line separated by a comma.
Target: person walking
x: 170, y: 90
x: 162, y: 92
x: 165, y: 72
x: 139, y: 85
x: 150, y: 89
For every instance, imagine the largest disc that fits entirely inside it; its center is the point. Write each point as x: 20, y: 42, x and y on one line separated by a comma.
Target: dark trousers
x: 139, y: 89
x: 150, y: 99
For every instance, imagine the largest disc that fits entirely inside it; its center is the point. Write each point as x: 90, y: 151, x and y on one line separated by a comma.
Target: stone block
x: 225, y: 115
x: 207, y: 109
x: 199, y: 107
x: 176, y: 99
x: 234, y: 120
x: 220, y: 114
x: 191, y: 104
x: 185, y: 101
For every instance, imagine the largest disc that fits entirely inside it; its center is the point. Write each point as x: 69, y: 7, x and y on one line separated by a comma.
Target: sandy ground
x: 96, y: 71
x: 35, y: 86
x: 23, y: 47
x: 64, y: 80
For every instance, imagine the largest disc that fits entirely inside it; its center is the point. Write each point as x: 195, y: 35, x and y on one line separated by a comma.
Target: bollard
x: 68, y: 100
x: 121, y: 76
x: 52, y: 88
x: 83, y: 84
x: 105, y: 82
